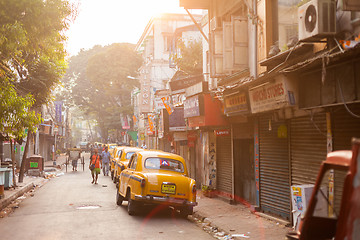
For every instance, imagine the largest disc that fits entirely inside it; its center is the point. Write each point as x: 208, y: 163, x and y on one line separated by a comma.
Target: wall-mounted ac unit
x: 350, y: 5
x: 215, y: 23
x: 317, y: 20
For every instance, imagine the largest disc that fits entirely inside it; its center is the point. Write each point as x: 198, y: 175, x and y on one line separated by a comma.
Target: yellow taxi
x: 111, y: 148
x: 123, y: 157
x: 115, y: 153
x: 155, y: 177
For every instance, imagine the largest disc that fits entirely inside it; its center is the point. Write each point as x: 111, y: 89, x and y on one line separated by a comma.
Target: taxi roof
x: 156, y: 153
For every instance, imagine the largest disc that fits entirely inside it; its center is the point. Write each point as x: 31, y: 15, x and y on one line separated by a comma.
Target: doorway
x: 244, y: 172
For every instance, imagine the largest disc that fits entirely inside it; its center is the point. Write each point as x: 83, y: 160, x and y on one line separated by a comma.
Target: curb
x: 5, y: 202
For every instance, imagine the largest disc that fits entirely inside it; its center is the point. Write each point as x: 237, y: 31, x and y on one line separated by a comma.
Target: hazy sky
x: 107, y: 21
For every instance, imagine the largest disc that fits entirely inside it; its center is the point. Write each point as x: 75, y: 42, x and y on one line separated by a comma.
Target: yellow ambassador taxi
x: 123, y: 159
x: 155, y: 177
x: 115, y: 153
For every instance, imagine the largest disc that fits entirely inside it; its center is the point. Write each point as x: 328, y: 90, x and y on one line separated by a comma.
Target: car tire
x: 119, y: 198
x: 115, y: 179
x: 186, y: 211
x: 132, y: 207
x: 112, y: 175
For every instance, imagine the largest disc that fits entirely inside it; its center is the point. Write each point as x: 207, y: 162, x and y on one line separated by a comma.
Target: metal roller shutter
x: 224, y: 170
x: 344, y: 127
x: 308, y: 148
x: 274, y: 169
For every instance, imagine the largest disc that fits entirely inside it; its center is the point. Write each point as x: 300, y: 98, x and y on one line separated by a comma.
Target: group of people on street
x: 100, y: 158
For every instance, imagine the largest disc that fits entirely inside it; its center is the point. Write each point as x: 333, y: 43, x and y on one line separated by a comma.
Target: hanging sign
x: 168, y: 105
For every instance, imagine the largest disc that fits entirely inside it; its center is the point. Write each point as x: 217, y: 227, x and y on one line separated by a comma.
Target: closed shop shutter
x: 224, y: 170
x: 344, y: 128
x: 274, y: 167
x: 308, y: 148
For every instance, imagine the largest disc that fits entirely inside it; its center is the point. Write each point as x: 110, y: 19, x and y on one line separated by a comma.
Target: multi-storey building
x: 287, y: 74
x: 155, y: 46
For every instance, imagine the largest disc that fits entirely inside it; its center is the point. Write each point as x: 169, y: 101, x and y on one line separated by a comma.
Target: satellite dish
x: 310, y: 18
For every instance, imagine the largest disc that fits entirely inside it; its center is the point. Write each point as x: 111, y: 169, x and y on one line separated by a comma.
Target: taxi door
x: 125, y: 176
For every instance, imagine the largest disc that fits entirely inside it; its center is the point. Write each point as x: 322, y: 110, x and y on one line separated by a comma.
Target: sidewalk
x: 12, y: 197
x: 225, y: 221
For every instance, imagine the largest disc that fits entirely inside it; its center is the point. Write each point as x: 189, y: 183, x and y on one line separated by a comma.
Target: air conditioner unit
x: 317, y: 20
x: 215, y: 23
x: 350, y: 5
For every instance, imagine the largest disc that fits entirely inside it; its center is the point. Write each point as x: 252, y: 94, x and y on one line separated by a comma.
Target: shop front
x: 236, y: 108
x: 204, y: 115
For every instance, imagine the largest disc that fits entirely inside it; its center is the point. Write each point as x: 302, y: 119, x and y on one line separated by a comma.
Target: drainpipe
x: 253, y: 50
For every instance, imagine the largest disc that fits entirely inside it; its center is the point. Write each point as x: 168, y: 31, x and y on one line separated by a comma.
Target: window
x: 129, y: 154
x: 164, y: 164
x: 133, y: 162
x: 285, y: 26
x: 167, y: 43
x: 119, y: 153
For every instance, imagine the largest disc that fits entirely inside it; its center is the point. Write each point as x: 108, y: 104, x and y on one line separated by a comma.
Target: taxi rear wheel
x: 119, y: 198
x: 133, y: 206
x: 186, y: 211
x: 112, y: 175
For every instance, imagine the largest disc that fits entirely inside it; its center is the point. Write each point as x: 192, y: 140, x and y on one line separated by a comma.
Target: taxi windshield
x: 164, y: 164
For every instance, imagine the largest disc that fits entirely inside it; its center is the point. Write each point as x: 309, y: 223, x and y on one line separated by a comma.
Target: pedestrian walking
x: 105, y: 157
x: 95, y: 165
x: 74, y: 154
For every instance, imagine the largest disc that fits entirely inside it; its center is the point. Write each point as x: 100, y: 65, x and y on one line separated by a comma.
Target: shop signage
x: 223, y: 132
x: 192, y: 107
x: 149, y: 132
x: 178, y: 99
x: 177, y: 120
x: 270, y: 96
x: 196, y: 89
x: 58, y: 108
x: 159, y: 104
x: 145, y: 96
x: 185, y: 82
x: 235, y: 104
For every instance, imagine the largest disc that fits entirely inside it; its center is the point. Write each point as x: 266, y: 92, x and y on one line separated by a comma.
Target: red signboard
x: 220, y: 133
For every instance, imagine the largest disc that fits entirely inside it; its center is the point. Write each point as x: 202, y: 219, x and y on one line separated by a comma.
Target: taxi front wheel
x: 119, y: 198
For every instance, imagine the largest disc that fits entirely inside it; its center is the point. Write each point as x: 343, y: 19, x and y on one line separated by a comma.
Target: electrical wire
x: 315, y: 125
x: 287, y: 57
x: 343, y: 100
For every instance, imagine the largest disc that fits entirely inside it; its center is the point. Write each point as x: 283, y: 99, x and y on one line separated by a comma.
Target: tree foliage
x: 32, y: 37
x: 189, y: 57
x: 97, y: 82
x: 32, y: 60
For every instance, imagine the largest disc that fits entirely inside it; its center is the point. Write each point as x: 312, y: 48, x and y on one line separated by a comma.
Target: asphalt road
x: 70, y: 207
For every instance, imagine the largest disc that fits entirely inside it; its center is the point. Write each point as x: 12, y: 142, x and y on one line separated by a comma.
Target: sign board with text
x: 272, y: 95
x: 236, y: 103
x: 192, y: 106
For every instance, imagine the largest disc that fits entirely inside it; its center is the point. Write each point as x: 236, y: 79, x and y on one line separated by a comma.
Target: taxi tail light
x: 194, y: 188
x: 143, y: 181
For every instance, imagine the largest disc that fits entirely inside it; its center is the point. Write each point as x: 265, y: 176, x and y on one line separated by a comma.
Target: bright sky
x: 105, y: 22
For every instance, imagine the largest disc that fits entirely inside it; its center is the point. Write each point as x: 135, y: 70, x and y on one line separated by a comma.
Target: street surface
x: 70, y: 207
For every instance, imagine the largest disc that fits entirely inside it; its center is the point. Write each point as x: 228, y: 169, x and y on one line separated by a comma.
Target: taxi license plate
x: 168, y: 188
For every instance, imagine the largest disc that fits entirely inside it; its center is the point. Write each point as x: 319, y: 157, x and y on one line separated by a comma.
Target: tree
x: 189, y: 57
x: 32, y: 55
x: 98, y: 83
x: 15, y: 116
